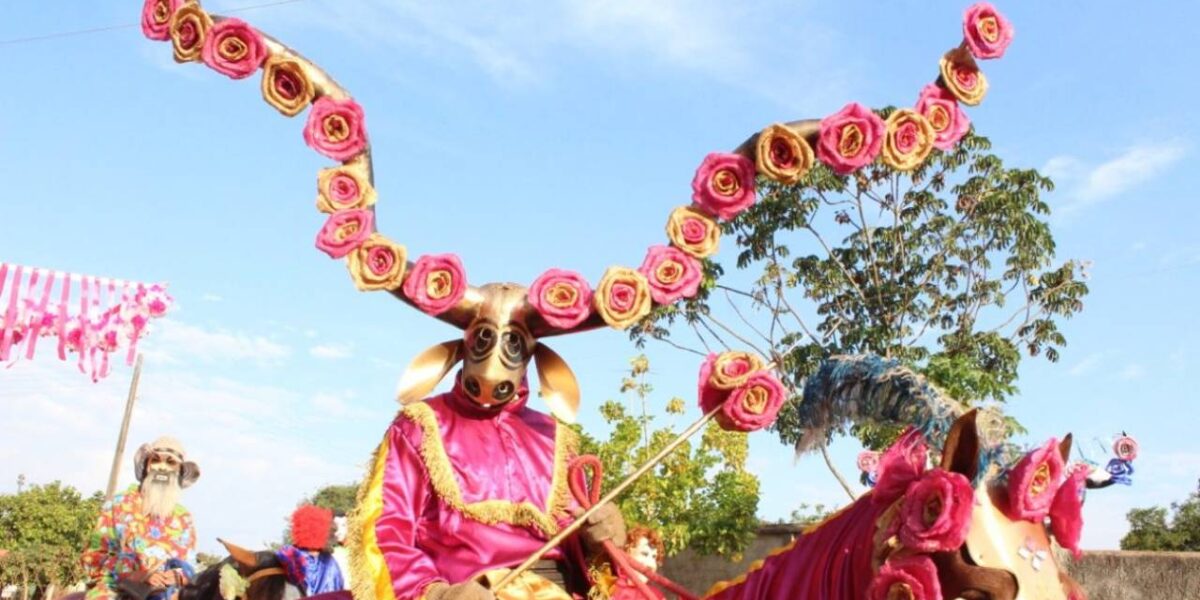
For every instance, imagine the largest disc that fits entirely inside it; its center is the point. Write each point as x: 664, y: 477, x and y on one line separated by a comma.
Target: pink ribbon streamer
x: 137, y: 331
x: 63, y: 298
x: 36, y: 331
x: 10, y: 315
x: 84, y: 305
x: 113, y: 315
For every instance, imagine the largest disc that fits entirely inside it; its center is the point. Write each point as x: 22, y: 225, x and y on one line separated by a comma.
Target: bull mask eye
x: 482, y: 341
x: 514, y: 346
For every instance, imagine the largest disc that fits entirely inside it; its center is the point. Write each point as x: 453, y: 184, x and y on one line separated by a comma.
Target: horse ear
x: 961, y: 451
x: 558, y: 386
x: 239, y: 554
x: 427, y: 370
x: 1064, y: 448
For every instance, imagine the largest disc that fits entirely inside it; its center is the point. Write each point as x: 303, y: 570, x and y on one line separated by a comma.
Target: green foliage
x: 338, y: 498
x: 809, y: 514
x: 1152, y: 529
x: 700, y: 496
x: 44, y: 528
x: 948, y: 268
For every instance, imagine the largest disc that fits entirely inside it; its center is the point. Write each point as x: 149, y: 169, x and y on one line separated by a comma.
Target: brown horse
x: 844, y: 557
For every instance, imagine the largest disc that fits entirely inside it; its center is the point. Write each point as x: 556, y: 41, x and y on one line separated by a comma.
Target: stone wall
x: 1106, y: 575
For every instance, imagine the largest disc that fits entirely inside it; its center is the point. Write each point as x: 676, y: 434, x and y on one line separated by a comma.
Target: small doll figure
x: 645, y: 547
x: 1120, y: 468
x: 309, y: 564
x: 868, y: 463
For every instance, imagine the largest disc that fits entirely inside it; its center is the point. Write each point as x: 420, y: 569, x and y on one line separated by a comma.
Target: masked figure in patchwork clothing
x: 470, y: 483
x: 309, y: 564
x: 144, y: 543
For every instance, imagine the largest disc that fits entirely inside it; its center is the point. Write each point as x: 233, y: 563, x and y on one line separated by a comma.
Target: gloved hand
x: 467, y: 590
x: 604, y: 525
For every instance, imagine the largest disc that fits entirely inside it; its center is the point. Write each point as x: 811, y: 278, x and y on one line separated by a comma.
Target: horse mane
x: 830, y: 560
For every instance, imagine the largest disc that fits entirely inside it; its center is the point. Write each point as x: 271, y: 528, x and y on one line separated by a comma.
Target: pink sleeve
x: 405, y: 491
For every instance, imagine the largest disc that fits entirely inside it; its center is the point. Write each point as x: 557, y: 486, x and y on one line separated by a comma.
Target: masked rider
x: 144, y: 542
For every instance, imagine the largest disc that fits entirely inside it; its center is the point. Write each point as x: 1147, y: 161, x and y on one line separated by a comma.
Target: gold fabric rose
x: 189, y: 28
x: 623, y: 297
x: 962, y: 77
x: 377, y: 264
x: 782, y: 155
x: 731, y: 370
x: 693, y: 232
x: 344, y: 187
x: 286, y: 86
x: 909, y: 140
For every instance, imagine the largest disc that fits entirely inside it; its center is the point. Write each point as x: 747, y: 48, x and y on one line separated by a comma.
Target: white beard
x: 160, y: 497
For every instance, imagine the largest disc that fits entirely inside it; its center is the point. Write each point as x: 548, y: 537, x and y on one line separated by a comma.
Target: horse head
x: 1006, y: 555
x: 501, y: 332
x: 261, y: 575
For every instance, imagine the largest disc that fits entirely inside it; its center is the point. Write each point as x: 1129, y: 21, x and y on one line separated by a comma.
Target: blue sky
x: 540, y: 135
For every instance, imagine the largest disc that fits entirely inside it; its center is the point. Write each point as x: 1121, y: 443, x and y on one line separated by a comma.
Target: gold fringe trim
x: 491, y: 512
x: 370, y: 578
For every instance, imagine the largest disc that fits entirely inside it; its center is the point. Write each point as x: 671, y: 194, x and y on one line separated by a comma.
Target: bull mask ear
x: 427, y: 370
x: 558, y: 386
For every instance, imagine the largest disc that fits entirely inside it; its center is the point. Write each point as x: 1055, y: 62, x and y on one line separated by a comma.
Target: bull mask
x: 500, y: 337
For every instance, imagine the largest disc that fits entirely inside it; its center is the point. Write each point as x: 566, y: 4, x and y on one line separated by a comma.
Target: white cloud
x: 1131, y: 372
x: 331, y: 351
x: 172, y: 341
x: 519, y: 44
x: 1085, y: 366
x: 209, y: 297
x: 1092, y: 185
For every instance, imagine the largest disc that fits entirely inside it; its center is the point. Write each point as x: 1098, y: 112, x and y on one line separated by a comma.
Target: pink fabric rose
x: 911, y: 578
x: 1034, y: 481
x: 941, y: 109
x: 900, y: 465
x: 986, y: 32
x: 850, y: 138
x: 937, y: 512
x: 1126, y: 448
x: 234, y: 48
x: 672, y: 274
x: 156, y: 18
x: 724, y: 185
x: 336, y: 128
x: 563, y: 298
x: 1066, y: 512
x: 722, y: 373
x: 436, y: 283
x: 753, y: 406
x: 344, y: 231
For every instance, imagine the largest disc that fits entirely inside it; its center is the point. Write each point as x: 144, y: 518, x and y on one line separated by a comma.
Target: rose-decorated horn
x: 503, y: 322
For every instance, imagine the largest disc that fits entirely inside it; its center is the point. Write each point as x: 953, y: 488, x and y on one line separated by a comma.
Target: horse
x: 852, y: 554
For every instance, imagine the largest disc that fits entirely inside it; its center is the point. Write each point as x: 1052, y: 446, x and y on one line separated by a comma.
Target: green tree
x: 1154, y: 529
x: 44, y: 529
x: 948, y: 268
x: 700, y: 496
x: 338, y: 498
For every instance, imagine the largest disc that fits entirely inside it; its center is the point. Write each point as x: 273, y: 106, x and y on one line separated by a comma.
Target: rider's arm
x: 399, y: 504
x: 100, y: 556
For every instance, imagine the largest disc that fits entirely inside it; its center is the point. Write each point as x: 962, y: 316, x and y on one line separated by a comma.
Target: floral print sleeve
x: 99, y: 558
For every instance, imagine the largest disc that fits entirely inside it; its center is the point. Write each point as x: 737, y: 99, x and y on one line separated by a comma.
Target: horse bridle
x: 261, y: 573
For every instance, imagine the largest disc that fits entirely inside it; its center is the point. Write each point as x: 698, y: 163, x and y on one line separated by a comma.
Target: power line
x: 89, y: 31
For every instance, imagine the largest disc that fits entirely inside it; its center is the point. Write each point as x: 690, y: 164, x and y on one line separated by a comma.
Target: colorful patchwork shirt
x: 126, y: 540
x: 456, y: 492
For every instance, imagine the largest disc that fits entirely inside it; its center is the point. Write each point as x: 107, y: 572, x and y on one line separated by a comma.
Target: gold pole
x: 116, y: 464
x: 569, y: 529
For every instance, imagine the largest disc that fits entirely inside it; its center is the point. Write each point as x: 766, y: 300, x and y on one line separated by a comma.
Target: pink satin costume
x: 457, y: 490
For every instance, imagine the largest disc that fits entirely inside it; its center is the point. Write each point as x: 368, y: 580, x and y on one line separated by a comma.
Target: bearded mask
x: 500, y: 337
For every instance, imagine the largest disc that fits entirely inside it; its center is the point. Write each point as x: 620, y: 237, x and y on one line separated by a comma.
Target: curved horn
x: 461, y: 314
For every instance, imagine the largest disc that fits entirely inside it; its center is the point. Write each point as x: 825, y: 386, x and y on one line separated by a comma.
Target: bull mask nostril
x: 503, y: 390
x: 472, y: 386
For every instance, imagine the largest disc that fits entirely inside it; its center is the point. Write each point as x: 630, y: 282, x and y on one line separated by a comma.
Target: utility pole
x: 116, y: 465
